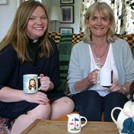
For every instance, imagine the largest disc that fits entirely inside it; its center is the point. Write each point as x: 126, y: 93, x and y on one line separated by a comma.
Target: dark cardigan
x: 11, y: 70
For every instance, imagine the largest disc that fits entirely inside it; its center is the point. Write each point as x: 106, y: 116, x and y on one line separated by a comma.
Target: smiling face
x: 37, y: 23
x: 99, y: 24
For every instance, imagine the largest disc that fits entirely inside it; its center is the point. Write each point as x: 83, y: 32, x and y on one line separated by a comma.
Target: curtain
x: 123, y: 11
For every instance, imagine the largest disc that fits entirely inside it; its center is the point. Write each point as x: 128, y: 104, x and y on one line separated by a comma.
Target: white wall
x: 7, y: 13
x: 47, y: 4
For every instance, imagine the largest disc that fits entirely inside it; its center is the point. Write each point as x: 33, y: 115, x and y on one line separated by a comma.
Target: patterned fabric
x: 4, y: 126
x: 64, y: 44
x: 55, y: 36
x: 123, y: 11
x: 65, y: 47
x: 129, y: 38
x: 77, y: 38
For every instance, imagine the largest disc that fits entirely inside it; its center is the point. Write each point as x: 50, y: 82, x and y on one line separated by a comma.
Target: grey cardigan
x: 79, y: 66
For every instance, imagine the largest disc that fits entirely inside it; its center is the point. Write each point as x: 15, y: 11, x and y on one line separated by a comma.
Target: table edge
x: 30, y: 127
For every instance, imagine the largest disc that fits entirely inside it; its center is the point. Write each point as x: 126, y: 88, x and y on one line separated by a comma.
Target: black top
x: 12, y: 71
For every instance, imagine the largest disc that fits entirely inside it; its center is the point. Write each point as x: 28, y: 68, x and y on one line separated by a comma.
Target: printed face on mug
x: 30, y: 83
x: 105, y: 77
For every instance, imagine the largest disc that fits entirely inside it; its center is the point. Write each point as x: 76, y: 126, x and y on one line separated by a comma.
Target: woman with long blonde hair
x: 99, y: 51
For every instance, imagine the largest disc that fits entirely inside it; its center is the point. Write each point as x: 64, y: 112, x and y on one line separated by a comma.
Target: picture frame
x: 66, y: 30
x: 67, y: 13
x: 66, y: 1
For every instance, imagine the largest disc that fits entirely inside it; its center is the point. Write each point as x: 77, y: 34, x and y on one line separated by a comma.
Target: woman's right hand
x: 39, y: 98
x: 84, y: 84
x: 93, y: 77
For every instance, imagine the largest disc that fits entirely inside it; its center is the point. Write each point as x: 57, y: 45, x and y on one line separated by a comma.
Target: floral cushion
x: 4, y: 126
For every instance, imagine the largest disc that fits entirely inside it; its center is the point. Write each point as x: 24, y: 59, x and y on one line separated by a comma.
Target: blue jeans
x: 91, y: 105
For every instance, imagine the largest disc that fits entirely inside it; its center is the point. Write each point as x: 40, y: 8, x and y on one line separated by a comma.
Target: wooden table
x: 60, y: 127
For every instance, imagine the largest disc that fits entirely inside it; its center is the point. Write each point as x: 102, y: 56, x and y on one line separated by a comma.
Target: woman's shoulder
x: 80, y: 48
x: 81, y: 45
x: 52, y: 43
x: 119, y: 40
x: 9, y: 47
x: 8, y: 51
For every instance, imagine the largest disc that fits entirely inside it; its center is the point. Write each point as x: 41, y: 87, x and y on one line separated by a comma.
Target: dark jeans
x: 91, y: 105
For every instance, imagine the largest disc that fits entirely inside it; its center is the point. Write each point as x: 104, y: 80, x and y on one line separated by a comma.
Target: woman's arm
x: 8, y: 94
x: 80, y: 77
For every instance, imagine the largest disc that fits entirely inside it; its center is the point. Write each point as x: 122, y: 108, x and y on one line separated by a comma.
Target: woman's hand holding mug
x: 45, y: 83
x: 118, y: 87
x: 93, y: 76
x: 30, y: 87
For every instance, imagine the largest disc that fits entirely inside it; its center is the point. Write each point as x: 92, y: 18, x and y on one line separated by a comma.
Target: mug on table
x: 74, y: 122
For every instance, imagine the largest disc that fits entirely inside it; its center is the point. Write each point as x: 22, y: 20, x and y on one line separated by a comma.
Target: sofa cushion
x: 65, y: 46
x: 77, y: 38
x: 55, y: 36
x: 130, y: 39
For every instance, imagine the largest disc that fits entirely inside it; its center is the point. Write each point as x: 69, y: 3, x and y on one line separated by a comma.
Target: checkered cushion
x: 130, y: 39
x: 77, y: 38
x: 55, y: 36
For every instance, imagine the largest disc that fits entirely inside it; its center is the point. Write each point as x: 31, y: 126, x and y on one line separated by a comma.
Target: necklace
x: 98, y: 62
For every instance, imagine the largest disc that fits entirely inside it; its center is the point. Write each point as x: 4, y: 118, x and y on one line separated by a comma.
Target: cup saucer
x: 107, y: 86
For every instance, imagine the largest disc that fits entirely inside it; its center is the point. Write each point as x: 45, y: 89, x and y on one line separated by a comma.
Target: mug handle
x: 82, y: 117
x: 112, y: 113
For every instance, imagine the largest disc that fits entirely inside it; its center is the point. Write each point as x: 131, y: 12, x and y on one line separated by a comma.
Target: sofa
x: 65, y: 42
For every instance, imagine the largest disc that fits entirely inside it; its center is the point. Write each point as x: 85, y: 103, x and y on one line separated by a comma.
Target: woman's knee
x: 41, y: 112
x: 86, y: 97
x: 116, y: 98
x: 62, y: 107
x: 66, y: 102
x: 91, y: 102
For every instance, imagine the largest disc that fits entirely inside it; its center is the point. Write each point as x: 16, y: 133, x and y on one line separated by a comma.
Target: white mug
x: 105, y: 77
x: 30, y: 83
x: 74, y: 122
